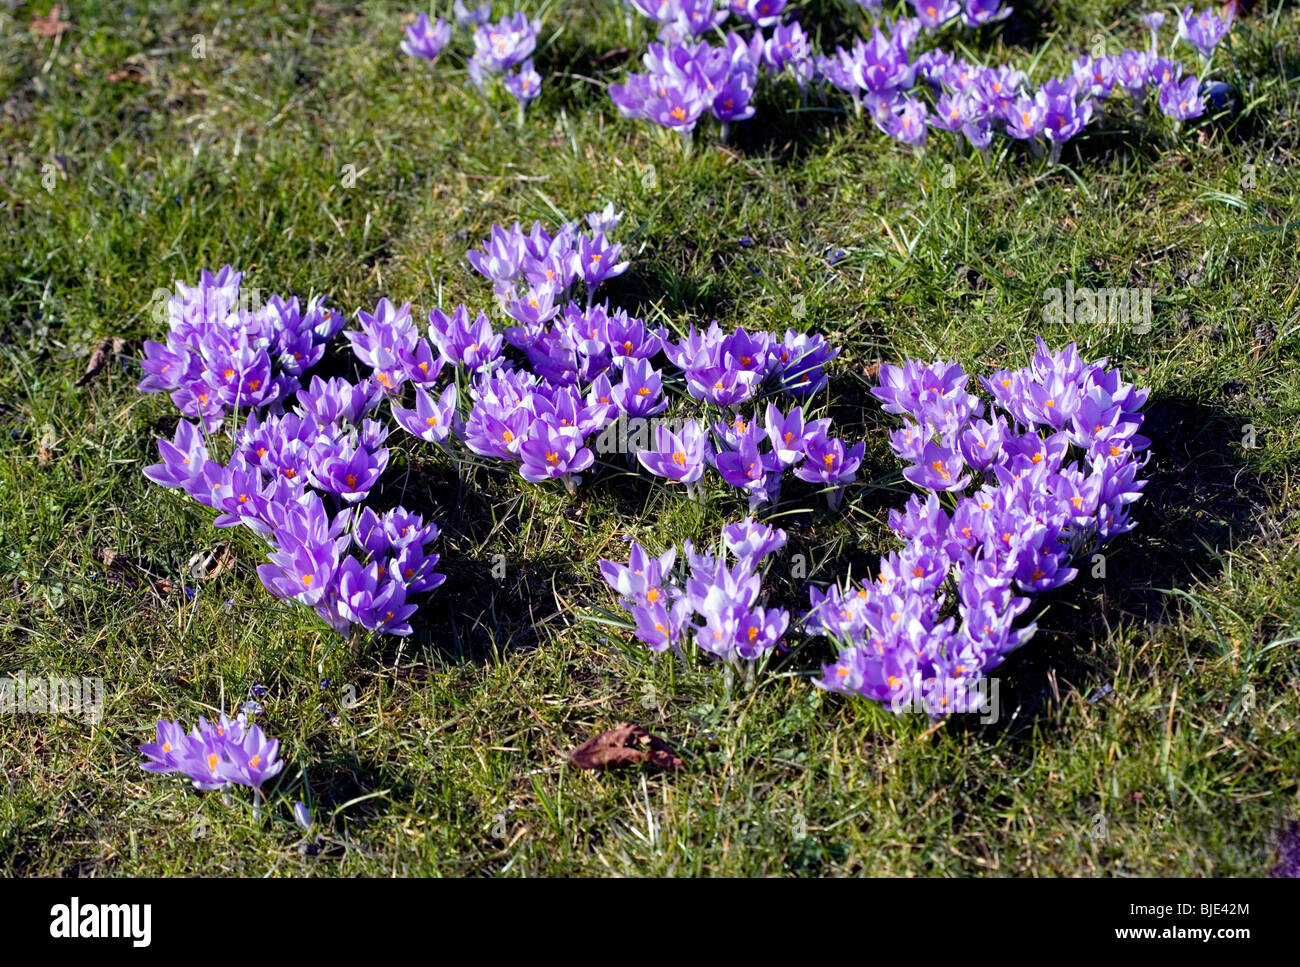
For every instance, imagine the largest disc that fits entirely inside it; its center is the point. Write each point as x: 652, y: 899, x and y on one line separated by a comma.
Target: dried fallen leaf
x: 624, y: 745
x: 132, y: 72
x: 206, y: 565
x: 130, y: 573
x: 107, y: 349
x: 50, y: 26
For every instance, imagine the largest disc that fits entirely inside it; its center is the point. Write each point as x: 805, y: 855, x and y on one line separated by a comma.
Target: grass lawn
x: 1151, y: 725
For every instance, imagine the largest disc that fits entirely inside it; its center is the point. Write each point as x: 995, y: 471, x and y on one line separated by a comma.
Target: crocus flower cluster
x: 982, y: 101
x: 752, y: 454
x: 223, y: 354
x: 1014, y: 492
x: 533, y: 272
x: 500, y: 49
x: 298, y: 476
x: 214, y: 755
x: 682, y: 19
x: 689, y: 80
x: 588, y: 362
x: 733, y: 624
x: 591, y: 370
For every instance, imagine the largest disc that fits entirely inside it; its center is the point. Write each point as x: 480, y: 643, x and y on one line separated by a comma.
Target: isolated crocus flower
x: 1202, y: 30
x: 1181, y: 100
x: 680, y: 456
x: 426, y: 39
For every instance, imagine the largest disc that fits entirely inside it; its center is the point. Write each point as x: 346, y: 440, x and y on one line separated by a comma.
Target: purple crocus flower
x: 373, y: 598
x: 462, y: 343
x: 1063, y: 116
x: 425, y: 39
x: 349, y: 470
x: 501, y: 45
x: 554, y: 451
x: 525, y: 83
x: 933, y: 14
x: 471, y: 16
x: 184, y: 459
x: 749, y: 470
x: 595, y: 258
x: 752, y: 542
x: 679, y: 457
x: 1181, y: 100
x: 430, y: 420
x: 980, y: 12
x: 1025, y: 119
x: 1202, y: 30
x: 214, y: 755
x: 764, y: 13
x: 502, y: 255
x: 640, y: 394
x: 801, y: 360
x: 643, y: 573
x: 830, y: 464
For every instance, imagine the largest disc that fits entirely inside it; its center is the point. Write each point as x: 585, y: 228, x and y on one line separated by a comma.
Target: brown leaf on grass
x: 132, y: 72
x: 50, y: 26
x: 129, y: 573
x: 106, y: 350
x: 624, y: 745
x: 208, y: 564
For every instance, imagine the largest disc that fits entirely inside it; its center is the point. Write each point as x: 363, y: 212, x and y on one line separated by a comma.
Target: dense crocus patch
x: 714, y: 603
x: 590, y: 383
x: 296, y: 475
x: 906, y: 92
x: 502, y: 50
x: 215, y: 755
x: 1016, y: 489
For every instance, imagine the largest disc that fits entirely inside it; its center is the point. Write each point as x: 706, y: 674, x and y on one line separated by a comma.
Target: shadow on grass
x: 1199, y: 502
